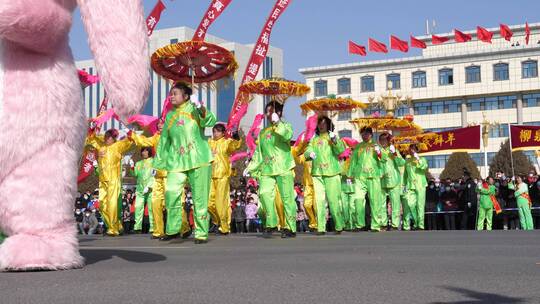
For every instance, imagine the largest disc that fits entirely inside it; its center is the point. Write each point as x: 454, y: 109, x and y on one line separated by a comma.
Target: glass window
x: 403, y: 110
x: 419, y: 79
x: 529, y: 69
x: 321, y: 88
x: 368, y: 84
x: 446, y: 77
x: 173, y: 41
x: 452, y: 106
x: 394, y: 81
x: 344, y: 86
x: 345, y: 133
x: 344, y: 115
x: 437, y: 161
x: 437, y: 107
x: 491, y: 103
x: 422, y: 108
x: 476, y: 104
x: 508, y: 102
x: 472, y: 74
x: 500, y: 71
x: 531, y: 100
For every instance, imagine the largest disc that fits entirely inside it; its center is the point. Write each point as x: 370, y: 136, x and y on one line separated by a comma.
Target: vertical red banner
x: 214, y: 10
x: 154, y: 16
x: 258, y: 55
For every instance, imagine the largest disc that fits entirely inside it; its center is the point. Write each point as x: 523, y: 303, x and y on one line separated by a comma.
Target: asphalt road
x: 389, y: 267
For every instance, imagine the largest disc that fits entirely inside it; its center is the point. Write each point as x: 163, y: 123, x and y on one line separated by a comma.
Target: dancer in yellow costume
x: 158, y: 190
x: 110, y: 153
x: 219, y: 205
x: 307, y: 180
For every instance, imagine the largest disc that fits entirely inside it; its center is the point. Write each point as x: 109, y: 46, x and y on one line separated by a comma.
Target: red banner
x: 154, y: 16
x: 214, y: 10
x: 457, y: 140
x: 87, y: 165
x: 524, y: 137
x: 258, y: 55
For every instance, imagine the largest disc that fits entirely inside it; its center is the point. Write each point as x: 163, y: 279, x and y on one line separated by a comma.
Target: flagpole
x: 510, y: 146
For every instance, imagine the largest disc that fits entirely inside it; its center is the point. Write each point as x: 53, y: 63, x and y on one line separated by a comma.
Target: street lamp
x: 390, y: 103
x: 486, y: 127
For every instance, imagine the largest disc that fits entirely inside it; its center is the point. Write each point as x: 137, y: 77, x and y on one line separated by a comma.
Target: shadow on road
x: 477, y: 297
x: 95, y: 256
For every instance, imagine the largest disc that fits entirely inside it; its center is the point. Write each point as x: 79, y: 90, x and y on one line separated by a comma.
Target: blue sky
x: 316, y: 32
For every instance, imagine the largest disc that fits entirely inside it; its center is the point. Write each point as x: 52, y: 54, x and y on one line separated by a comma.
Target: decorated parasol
x: 404, y: 126
x: 331, y: 104
x: 421, y: 140
x: 196, y: 61
x: 278, y: 89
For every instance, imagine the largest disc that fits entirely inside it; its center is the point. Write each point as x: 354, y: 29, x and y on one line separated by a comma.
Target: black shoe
x: 186, y: 234
x: 222, y: 233
x: 213, y: 229
x: 337, y: 232
x: 169, y: 237
x: 200, y: 241
x: 374, y: 230
x: 267, y: 233
x: 153, y: 237
x: 286, y: 233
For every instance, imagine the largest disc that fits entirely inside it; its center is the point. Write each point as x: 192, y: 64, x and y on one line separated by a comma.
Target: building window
x: 403, y: 110
x: 498, y: 131
x: 529, y: 69
x: 437, y: 161
x: 419, y: 79
x: 173, y: 41
x: 491, y: 103
x: 476, y: 104
x: 321, y: 88
x: 500, y: 71
x: 368, y: 84
x: 393, y: 81
x: 531, y: 100
x: 344, y: 115
x: 472, y: 74
x: 422, y: 108
x: 345, y: 133
x: 344, y: 86
x: 446, y: 77
x: 452, y: 106
x: 437, y: 107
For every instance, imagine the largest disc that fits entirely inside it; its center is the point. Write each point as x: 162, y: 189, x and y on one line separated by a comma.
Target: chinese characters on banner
x: 463, y: 139
x: 87, y: 166
x: 258, y: 55
x: 524, y: 137
x: 154, y: 16
x: 214, y: 10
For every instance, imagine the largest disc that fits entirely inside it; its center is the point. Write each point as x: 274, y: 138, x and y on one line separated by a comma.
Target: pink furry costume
x: 43, y: 121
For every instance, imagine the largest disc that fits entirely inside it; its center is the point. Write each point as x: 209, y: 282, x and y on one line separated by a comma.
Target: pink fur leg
x: 55, y: 251
x: 36, y: 212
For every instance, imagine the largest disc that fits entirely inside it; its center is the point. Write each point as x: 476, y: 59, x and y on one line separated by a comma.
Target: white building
x: 451, y: 84
x: 218, y: 99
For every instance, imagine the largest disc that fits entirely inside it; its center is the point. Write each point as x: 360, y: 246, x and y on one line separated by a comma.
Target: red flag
x: 87, y: 166
x: 461, y: 37
x: 506, y: 32
x: 438, y: 40
x: 212, y: 13
x: 483, y: 34
x: 398, y: 44
x: 241, y: 101
x: 527, y: 33
x: 417, y: 43
x: 357, y: 49
x: 154, y: 16
x: 376, y: 46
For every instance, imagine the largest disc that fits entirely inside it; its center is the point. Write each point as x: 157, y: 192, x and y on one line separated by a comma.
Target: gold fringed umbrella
x: 388, y: 123
x: 278, y: 89
x: 331, y: 104
x: 193, y: 61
